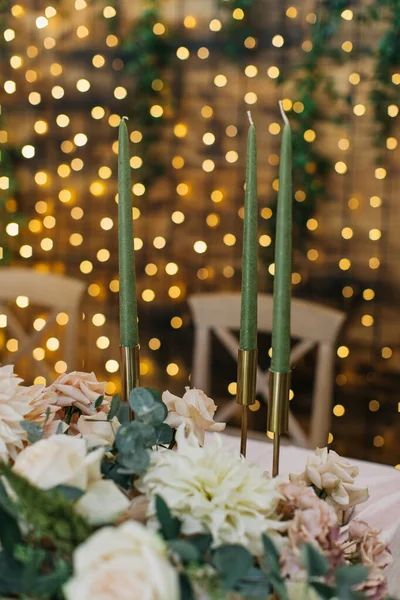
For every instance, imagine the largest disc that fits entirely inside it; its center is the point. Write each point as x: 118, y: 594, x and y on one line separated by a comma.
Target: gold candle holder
x: 246, y: 388
x: 278, y: 412
x: 130, y: 371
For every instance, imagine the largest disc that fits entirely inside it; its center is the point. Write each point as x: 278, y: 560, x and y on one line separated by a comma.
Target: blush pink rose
x: 195, y: 410
x: 80, y: 390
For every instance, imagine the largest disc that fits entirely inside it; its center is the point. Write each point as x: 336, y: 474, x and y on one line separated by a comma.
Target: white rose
x: 299, y: 590
x: 127, y: 562
x: 335, y: 475
x: 195, y: 410
x: 63, y: 460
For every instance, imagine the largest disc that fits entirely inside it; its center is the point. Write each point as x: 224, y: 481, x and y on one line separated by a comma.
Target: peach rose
x: 195, y: 410
x: 80, y: 390
x: 96, y: 430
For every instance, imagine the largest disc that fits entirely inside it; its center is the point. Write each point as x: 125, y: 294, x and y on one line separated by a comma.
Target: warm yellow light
x: 16, y: 62
x: 176, y: 322
x: 368, y: 294
x: 367, y: 320
x: 154, y: 344
x: 47, y: 244
x: 375, y: 234
x: 212, y: 220
x: 159, y: 242
x: 250, y: 42
x: 344, y: 144
x: 9, y: 34
x: 22, y: 301
x: 208, y: 165
x: 338, y: 410
x: 182, y: 189
x: 312, y: 254
x: 208, y: 138
x: 189, y: 22
x: 300, y: 196
x: 137, y: 243
x: 396, y: 78
x: 274, y: 128
x: 41, y: 22
x: 156, y: 111
x: 200, y: 247
x: 114, y: 285
x: 232, y: 388
x: 378, y: 441
x: 347, y: 291
x: 26, y: 251
x: 83, y: 85
x: 49, y: 222
x: 380, y: 173
x: 180, y: 130
x: 353, y: 203
x: 178, y: 162
x: 251, y: 71
x: 273, y: 72
x: 393, y: 110
x: 347, y: 15
x: 298, y: 107
x: 231, y: 131
x: 375, y: 201
x: 148, y: 295
x: 94, y: 290
x: 17, y: 11
x: 310, y: 135
x: 112, y: 366
x: 65, y: 196
x: 38, y: 353
x: 347, y: 233
x: 215, y: 25
x: 103, y: 255
x: 374, y: 405
x: 103, y: 342
x: 67, y: 146
x: 217, y: 196
x: 77, y: 213
x: 374, y: 263
x: 266, y: 212
x: 220, y: 80
x: 64, y: 170
x: 359, y: 110
x: 344, y: 264
x: 109, y: 12
x: 343, y: 352
x: 97, y: 188
x: 231, y: 156
x: 159, y: 29
x: 151, y: 269
x: 203, y: 53
x: 10, y: 87
x: 341, y: 167
x: 35, y: 226
x: 12, y: 345
x: 278, y: 41
x: 182, y: 53
x: 28, y: 151
x: 52, y: 344
x: 111, y: 41
x: 177, y: 217
x: 86, y: 267
x: 206, y: 112
x: 264, y: 240
x: 238, y: 14
x: 312, y: 224
x: 98, y: 61
x: 391, y: 143
x: 387, y: 353
x: 347, y: 46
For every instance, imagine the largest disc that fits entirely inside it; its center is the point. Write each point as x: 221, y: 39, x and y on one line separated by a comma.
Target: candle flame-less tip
x: 250, y: 117
x: 284, y: 115
x: 126, y: 118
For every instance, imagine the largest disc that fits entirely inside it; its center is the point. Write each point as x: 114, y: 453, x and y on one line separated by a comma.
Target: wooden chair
x: 55, y: 293
x: 312, y: 324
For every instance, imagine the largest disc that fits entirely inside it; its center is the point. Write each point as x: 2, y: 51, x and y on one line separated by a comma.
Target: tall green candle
x: 248, y: 317
x: 129, y: 335
x: 283, y: 258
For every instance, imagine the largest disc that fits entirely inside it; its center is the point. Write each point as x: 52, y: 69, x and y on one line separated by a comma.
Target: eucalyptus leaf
x: 185, y: 587
x: 346, y: 578
x: 164, y: 434
x: 130, y: 437
x: 114, y: 407
x: 324, y: 591
x: 170, y: 525
x: 34, y: 431
x: 316, y: 563
x: 134, y: 463
x: 99, y: 402
x: 146, y: 408
x: 10, y: 534
x: 271, y: 554
x: 186, y: 550
x: 69, y: 492
x: 233, y: 562
x: 202, y: 542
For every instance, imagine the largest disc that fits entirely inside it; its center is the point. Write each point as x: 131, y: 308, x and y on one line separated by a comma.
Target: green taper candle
x: 248, y: 317
x: 280, y: 362
x: 129, y: 335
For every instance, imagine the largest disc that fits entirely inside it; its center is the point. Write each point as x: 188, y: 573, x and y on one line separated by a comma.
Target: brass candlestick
x: 130, y: 370
x: 246, y: 388
x: 278, y: 412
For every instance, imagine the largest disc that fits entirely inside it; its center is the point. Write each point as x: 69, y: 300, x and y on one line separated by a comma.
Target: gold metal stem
x: 246, y: 389
x: 276, y: 452
x: 130, y: 370
x: 243, y: 438
x: 278, y: 412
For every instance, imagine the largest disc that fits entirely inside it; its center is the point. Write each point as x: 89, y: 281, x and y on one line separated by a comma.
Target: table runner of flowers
x: 95, y: 507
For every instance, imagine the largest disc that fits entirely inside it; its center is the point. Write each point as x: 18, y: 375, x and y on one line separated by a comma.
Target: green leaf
x: 146, y: 408
x: 34, y: 431
x: 129, y: 438
x: 186, y: 590
x: 271, y: 554
x: 233, y: 562
x: 114, y: 408
x: 316, y: 563
x: 99, y: 402
x: 69, y: 492
x: 324, y: 591
x: 164, y: 434
x: 202, y: 542
x: 133, y: 463
x: 170, y: 525
x: 10, y: 534
x: 346, y: 578
x: 186, y: 551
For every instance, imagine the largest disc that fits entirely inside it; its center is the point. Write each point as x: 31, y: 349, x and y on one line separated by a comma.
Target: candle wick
x: 250, y: 117
x: 126, y: 118
x: 284, y: 115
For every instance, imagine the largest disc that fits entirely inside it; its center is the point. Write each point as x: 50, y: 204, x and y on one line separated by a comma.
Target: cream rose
x: 334, y: 475
x: 80, y: 390
x: 127, y: 562
x: 195, y: 410
x: 13, y: 409
x: 63, y: 460
x: 96, y: 430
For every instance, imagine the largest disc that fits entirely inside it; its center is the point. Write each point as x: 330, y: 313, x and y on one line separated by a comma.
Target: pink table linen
x: 381, y: 511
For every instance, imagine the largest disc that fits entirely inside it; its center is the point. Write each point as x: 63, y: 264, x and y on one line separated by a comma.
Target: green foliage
x: 34, y: 431
x: 233, y: 563
x: 114, y: 408
x: 170, y: 526
x: 47, y: 513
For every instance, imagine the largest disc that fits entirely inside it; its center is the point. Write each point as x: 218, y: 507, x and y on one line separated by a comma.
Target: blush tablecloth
x: 381, y: 511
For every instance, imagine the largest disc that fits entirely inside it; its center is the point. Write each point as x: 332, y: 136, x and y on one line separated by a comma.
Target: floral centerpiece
x: 96, y: 508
